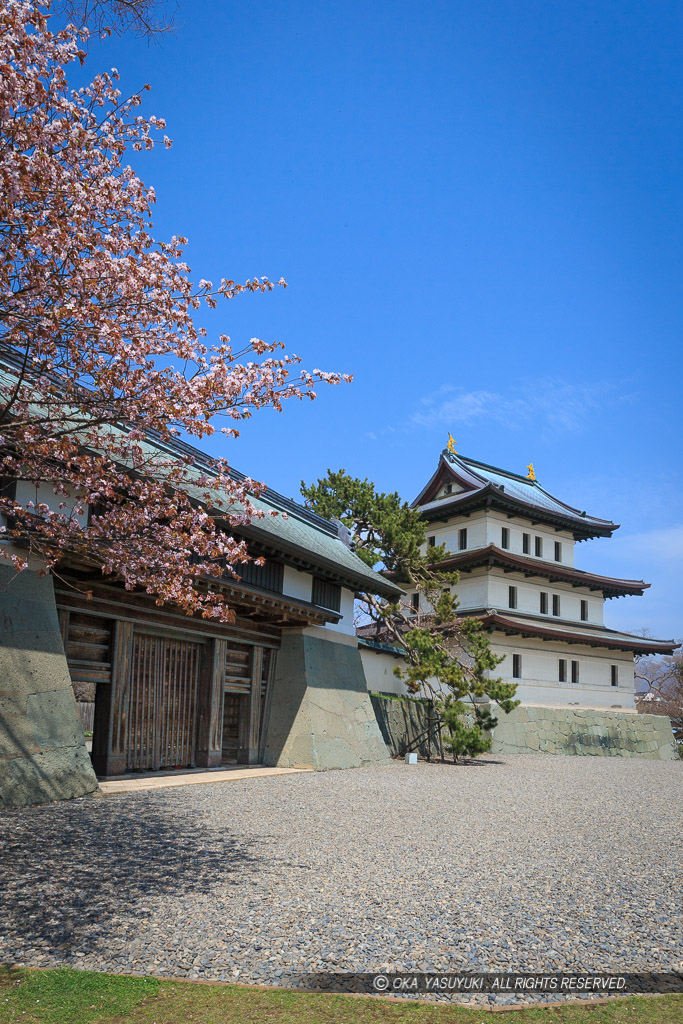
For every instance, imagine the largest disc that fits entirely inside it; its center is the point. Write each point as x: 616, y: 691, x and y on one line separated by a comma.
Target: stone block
x: 49, y: 775
x: 55, y: 719
x: 42, y: 747
x: 36, y: 669
x: 321, y: 714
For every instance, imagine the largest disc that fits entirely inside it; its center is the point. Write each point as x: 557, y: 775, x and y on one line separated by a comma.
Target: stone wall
x: 320, y: 713
x: 533, y: 730
x: 404, y: 725
x: 42, y: 747
x: 583, y: 731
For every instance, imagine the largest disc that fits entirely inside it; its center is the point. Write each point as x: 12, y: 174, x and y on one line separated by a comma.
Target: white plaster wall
x: 540, y: 676
x: 44, y: 494
x: 379, y: 671
x: 297, y: 584
x: 472, y: 590
x: 345, y: 624
x: 447, y: 533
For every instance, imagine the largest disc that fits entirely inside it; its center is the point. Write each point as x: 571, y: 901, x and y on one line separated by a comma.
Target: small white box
x: 411, y: 758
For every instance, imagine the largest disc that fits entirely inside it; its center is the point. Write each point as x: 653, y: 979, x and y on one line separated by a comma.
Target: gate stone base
x: 321, y: 715
x: 43, y: 756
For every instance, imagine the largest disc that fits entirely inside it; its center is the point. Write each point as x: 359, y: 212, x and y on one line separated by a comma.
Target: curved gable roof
x: 478, y: 484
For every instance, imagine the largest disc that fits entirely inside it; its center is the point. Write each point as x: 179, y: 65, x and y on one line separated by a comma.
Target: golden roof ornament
x: 450, y: 447
x: 531, y: 475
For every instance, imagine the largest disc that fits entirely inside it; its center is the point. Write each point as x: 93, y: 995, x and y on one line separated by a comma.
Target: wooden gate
x: 248, y: 670
x: 162, y: 716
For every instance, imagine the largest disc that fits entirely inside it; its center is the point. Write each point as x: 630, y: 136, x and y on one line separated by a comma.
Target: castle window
x: 614, y: 675
x: 448, y: 488
x: 415, y: 601
x: 512, y: 597
x: 575, y: 671
x: 526, y: 543
x: 544, y: 603
x: 562, y: 670
x: 431, y: 541
x: 538, y: 547
x: 505, y: 537
x: 556, y: 604
x: 268, y: 577
x: 584, y: 611
x: 516, y: 666
x: 462, y: 539
x: 558, y: 551
x: 326, y: 595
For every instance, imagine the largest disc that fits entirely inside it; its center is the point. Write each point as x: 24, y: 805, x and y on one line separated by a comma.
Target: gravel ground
x: 517, y: 863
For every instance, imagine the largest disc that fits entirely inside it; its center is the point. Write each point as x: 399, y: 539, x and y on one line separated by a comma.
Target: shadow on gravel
x: 83, y: 873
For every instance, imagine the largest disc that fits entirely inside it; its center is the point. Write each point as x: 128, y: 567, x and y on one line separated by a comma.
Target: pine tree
x: 448, y: 658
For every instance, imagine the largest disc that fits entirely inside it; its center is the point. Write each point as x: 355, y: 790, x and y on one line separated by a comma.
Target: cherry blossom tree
x: 101, y: 365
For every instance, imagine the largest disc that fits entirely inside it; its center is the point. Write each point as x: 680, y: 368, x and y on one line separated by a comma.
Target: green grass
x: 66, y: 996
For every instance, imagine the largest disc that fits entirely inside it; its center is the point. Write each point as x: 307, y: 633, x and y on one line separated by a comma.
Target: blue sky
x: 478, y: 208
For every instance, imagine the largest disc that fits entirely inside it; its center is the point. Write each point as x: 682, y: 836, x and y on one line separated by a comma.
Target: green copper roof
x: 480, y: 480
x: 296, y: 531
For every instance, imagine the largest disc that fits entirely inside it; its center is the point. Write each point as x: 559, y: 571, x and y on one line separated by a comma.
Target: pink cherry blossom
x: 98, y: 350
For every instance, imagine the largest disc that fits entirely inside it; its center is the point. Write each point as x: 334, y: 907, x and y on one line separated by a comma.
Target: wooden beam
x: 250, y: 718
x: 110, y: 735
x: 210, y: 697
x: 267, y: 700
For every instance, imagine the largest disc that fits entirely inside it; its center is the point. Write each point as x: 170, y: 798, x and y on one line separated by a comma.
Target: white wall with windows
x: 540, y: 670
x: 522, y: 538
x: 490, y: 588
x: 562, y: 601
x: 299, y: 584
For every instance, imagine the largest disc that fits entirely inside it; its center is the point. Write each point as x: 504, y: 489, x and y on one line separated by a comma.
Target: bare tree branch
x: 144, y: 18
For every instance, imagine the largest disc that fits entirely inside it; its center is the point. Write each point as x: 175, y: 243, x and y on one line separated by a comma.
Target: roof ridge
x: 497, y: 469
x: 527, y: 482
